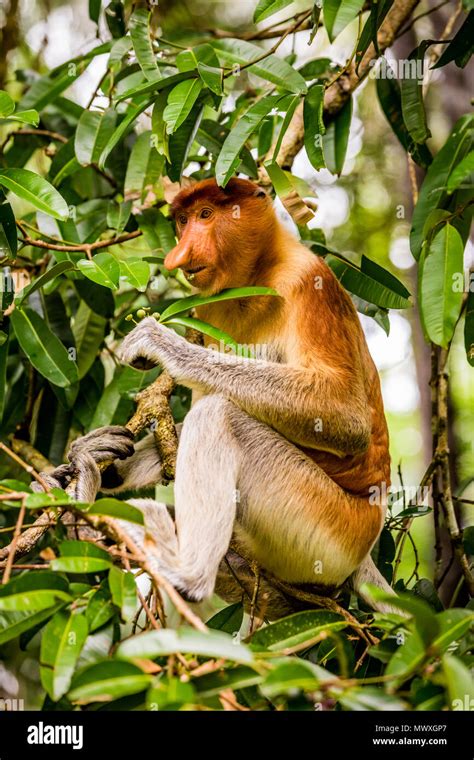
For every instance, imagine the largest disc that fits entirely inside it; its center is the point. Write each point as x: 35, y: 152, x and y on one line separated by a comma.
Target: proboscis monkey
x: 282, y: 451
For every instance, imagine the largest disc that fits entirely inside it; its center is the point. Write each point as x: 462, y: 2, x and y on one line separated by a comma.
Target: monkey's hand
x: 152, y: 343
x: 106, y: 443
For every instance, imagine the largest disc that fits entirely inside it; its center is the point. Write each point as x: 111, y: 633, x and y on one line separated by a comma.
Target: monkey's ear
x: 260, y: 193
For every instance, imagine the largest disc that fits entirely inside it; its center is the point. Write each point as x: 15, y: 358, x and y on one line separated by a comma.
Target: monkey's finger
x: 103, y: 448
x: 119, y: 430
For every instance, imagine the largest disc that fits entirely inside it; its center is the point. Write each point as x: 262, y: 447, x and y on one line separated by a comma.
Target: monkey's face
x: 220, y: 233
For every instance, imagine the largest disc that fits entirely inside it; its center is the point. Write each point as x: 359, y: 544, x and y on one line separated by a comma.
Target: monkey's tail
x: 367, y: 573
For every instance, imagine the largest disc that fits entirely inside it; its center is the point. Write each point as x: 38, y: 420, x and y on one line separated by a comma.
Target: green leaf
x: 35, y: 190
x: 338, y: 14
x: 180, y: 102
x: 336, y: 139
x: 296, y: 629
x: 115, y: 508
x: 118, y: 215
x: 43, y: 349
x: 13, y: 624
x: 469, y: 329
x: 229, y: 160
x: 212, y: 135
x: 157, y: 231
x: 206, y: 329
x: 48, y: 276
x: 211, y: 77
x: 293, y: 675
x: 184, y: 304
x: 159, y: 137
x: 364, y: 286
x: 170, y: 693
x: 164, y: 642
x: 30, y: 592
x: 103, y: 269
x: 383, y: 276
x: 7, y: 105
x: 370, y: 698
x: 132, y: 114
x: 440, y: 300
x: 272, y: 68
x: 433, y: 190
x: 99, y: 609
x: 284, y: 126
x: 464, y: 169
x: 81, y: 557
x: 459, y: 682
x: 139, y: 26
x: 8, y: 226
x: 378, y: 11
x: 61, y: 644
x: 314, y: 127
x: 266, y: 8
x: 461, y: 47
x: 136, y: 272
x: 239, y: 677
x: 156, y: 87
x: 107, y: 680
x: 124, y: 592
x: 89, y: 331
x: 144, y: 167
x: 26, y: 117
x: 94, y: 130
x: 413, y: 108
x: 388, y: 91
x: 228, y: 620
x: 47, y: 88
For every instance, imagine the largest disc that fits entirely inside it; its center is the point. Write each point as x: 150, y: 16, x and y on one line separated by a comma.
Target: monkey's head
x: 222, y: 233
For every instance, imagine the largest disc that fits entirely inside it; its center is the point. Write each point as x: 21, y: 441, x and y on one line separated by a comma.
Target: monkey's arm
x: 310, y: 407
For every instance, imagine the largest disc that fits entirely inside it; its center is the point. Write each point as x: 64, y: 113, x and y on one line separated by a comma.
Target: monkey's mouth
x: 191, y: 272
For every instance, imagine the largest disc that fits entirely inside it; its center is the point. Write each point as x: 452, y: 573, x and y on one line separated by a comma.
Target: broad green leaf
x: 157, y: 643
x: 156, y: 87
x: 118, y: 215
x: 413, y: 108
x: 159, y: 138
x: 229, y: 157
x: 388, y: 91
x: 43, y: 349
x: 170, y: 693
x: 48, y: 276
x: 180, y: 102
x: 115, y: 508
x: 107, y: 680
x: 461, y: 46
x: 439, y: 300
x: 89, y: 330
x: 336, y: 139
x: 184, y: 304
x: 383, y: 276
x: 157, y: 231
x: 296, y: 629
x: 8, y: 226
x: 139, y: 26
x: 94, y: 130
x: 35, y: 190
x: 26, y: 117
x: 364, y: 286
x: 132, y: 114
x: 272, y: 68
x: 33, y: 591
x: 103, y: 269
x: 7, y: 104
x: 319, y: 68
x: 266, y: 8
x: 99, y: 609
x: 203, y: 58
x: 211, y: 77
x: 144, y: 166
x: 378, y: 11
x: 314, y: 127
x: 212, y: 135
x: 124, y: 591
x: 180, y: 142
x: 228, y: 620
x: 459, y: 682
x: 463, y: 170
x: 136, y: 272
x: 81, y: 557
x: 13, y: 624
x: 469, y: 328
x: 47, y: 88
x: 291, y: 676
x: 433, y: 190
x: 61, y: 644
x: 370, y: 698
x: 338, y: 14
x: 239, y: 677
x: 284, y: 126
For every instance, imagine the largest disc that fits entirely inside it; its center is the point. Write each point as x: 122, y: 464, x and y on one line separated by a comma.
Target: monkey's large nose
x: 178, y: 257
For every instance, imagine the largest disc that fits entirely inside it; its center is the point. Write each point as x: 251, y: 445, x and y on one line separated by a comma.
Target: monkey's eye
x: 182, y: 219
x: 205, y: 213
